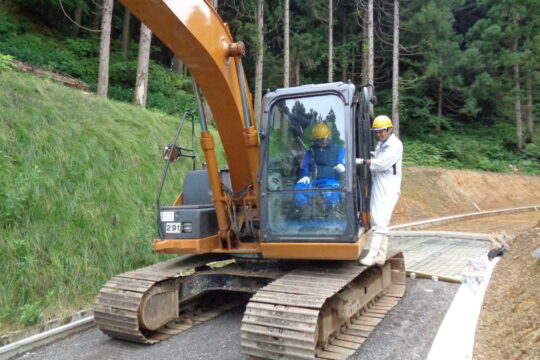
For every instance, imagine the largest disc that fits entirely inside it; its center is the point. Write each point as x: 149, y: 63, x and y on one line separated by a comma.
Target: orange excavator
x: 254, y: 228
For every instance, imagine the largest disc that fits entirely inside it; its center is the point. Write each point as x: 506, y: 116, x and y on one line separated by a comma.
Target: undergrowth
x: 487, y: 149
x: 79, y: 57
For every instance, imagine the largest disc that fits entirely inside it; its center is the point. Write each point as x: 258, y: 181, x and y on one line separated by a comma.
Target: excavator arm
x: 195, y: 33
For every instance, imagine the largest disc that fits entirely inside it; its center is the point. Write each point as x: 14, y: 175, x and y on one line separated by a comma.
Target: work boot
x: 380, y: 259
x: 374, y: 246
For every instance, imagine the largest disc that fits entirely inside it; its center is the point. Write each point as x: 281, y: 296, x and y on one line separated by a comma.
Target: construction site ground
x: 405, y: 333
x: 509, y: 322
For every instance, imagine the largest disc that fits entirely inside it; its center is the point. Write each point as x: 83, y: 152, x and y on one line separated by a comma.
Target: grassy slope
x: 78, y: 182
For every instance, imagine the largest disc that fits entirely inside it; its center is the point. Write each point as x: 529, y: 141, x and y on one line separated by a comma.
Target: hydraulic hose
x: 199, y: 104
x: 242, y: 83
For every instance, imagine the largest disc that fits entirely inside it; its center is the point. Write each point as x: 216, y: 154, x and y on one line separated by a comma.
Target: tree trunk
x: 530, y: 114
x: 141, y: 84
x: 371, y: 62
x: 395, y: 70
x: 330, y: 41
x: 286, y: 62
x: 344, y: 61
x: 178, y: 66
x: 517, y: 107
x: 259, y: 61
x: 103, y: 74
x: 77, y: 18
x: 517, y: 89
x: 353, y: 62
x: 365, y: 52
x: 439, y: 108
x: 297, y: 69
x: 126, y: 22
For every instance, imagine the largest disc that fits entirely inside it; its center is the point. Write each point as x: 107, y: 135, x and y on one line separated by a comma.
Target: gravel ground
x: 406, y: 334
x: 408, y: 330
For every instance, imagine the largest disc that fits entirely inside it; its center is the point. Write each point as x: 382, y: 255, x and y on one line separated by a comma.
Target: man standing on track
x: 385, y: 169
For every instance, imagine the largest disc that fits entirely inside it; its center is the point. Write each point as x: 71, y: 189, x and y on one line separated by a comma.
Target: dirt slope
x: 433, y: 192
x: 509, y: 324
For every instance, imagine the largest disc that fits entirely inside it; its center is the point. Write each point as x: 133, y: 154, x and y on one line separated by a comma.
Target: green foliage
x: 532, y: 153
x: 41, y: 51
x: 77, y: 194
x: 168, y: 92
x: 30, y: 313
x: 476, y: 149
x: 6, y: 26
x: 16, y: 195
x: 51, y: 12
x: 420, y: 153
x: 6, y: 62
x: 8, y: 314
x: 83, y: 47
x: 417, y: 117
x: 79, y: 57
x: 438, y: 63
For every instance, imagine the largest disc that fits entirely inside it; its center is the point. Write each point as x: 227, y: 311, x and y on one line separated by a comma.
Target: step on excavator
x: 253, y: 232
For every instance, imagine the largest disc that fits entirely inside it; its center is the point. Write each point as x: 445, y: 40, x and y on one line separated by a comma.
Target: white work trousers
x: 381, y: 211
x: 386, y: 182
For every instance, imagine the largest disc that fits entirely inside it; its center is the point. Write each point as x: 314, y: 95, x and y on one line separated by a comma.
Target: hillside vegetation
x: 78, y: 185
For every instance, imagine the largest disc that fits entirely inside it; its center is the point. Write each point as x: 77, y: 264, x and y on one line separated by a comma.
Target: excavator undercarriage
x: 299, y: 310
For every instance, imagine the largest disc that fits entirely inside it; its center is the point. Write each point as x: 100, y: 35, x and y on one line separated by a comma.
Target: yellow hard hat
x: 381, y: 122
x: 320, y: 131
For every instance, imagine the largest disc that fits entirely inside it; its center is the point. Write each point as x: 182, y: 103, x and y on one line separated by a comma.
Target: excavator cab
x: 310, y: 188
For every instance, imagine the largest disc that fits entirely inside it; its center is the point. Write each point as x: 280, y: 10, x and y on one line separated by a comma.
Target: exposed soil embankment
x: 509, y: 325
x: 434, y: 192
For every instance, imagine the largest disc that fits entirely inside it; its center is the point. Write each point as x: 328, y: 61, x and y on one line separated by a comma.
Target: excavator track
x: 322, y: 312
x: 143, y: 306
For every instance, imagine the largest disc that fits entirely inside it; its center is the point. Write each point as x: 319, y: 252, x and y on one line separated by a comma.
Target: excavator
x: 249, y: 228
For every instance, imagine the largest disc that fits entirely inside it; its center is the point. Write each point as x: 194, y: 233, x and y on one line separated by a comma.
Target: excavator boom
x: 195, y: 33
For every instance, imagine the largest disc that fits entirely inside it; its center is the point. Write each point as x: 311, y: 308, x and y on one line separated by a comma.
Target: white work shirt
x: 385, y: 169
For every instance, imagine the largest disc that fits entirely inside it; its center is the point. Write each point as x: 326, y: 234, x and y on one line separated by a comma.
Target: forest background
x: 468, y: 88
x: 468, y: 69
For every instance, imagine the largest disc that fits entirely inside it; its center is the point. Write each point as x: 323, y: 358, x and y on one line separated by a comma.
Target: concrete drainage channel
x: 440, y: 255
x: 456, y: 218
x: 419, y: 248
